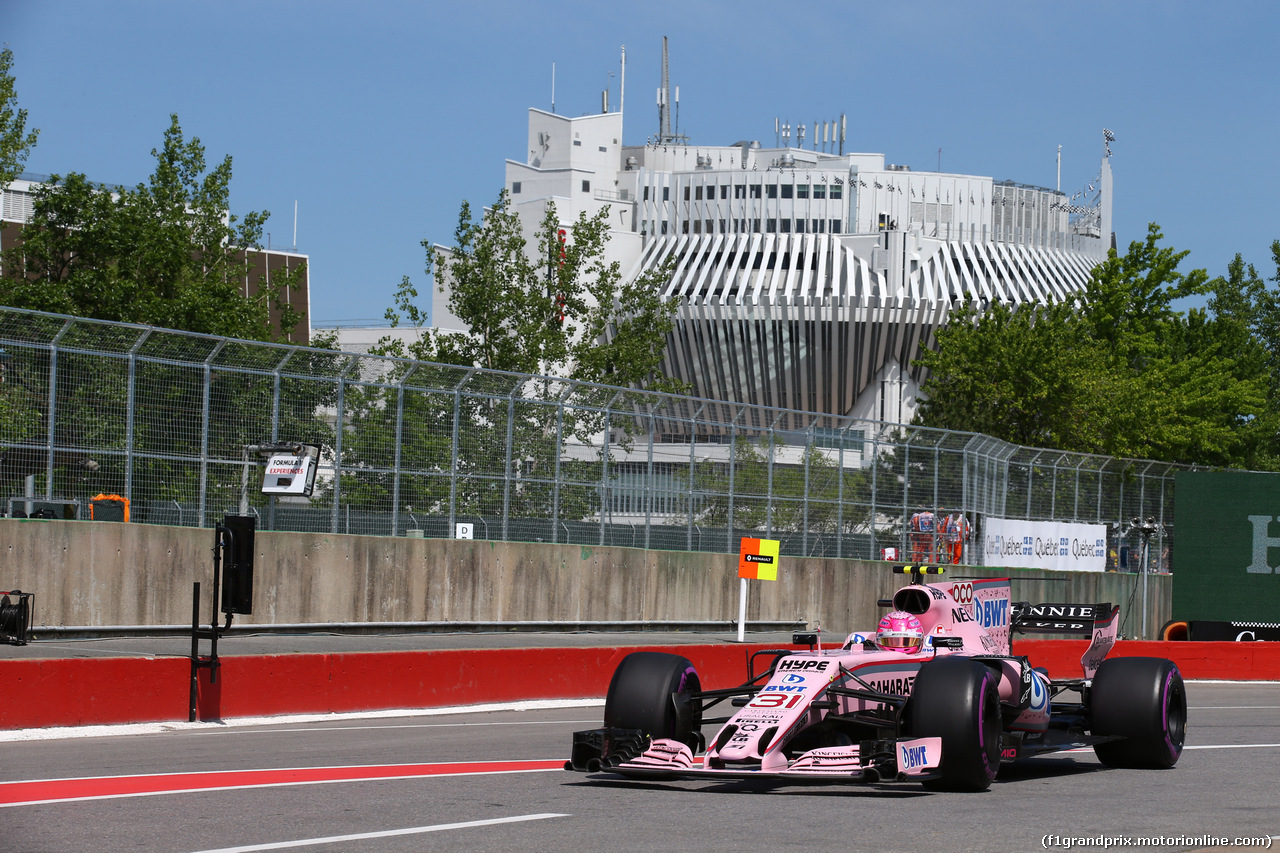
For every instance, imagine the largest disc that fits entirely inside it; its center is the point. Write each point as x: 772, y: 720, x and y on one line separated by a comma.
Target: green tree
x: 1028, y: 375
x: 555, y: 310
x: 1123, y: 373
x: 15, y: 141
x: 560, y: 309
x: 165, y: 253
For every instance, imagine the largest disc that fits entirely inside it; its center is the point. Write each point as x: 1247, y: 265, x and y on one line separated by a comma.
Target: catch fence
x: 163, y: 418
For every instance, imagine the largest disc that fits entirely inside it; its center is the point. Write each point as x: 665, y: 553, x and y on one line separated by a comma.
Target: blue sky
x: 380, y: 118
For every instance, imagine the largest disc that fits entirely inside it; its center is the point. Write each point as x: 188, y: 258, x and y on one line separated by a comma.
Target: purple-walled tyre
x: 649, y: 691
x: 1144, y: 701
x: 956, y: 699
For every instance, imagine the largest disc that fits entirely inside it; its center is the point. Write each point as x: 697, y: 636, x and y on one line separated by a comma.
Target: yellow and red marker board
x: 758, y: 559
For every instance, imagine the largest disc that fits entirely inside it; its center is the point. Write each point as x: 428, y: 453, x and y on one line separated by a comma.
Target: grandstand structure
x: 808, y: 278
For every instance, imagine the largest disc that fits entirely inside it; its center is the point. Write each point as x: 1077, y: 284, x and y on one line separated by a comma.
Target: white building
x: 808, y: 278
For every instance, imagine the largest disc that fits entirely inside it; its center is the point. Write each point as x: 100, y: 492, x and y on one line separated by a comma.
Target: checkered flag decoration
x: 1107, y: 138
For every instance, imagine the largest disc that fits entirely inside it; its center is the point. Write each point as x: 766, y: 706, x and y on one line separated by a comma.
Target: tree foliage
x: 16, y: 141
x: 558, y: 308
x: 1122, y: 373
x: 165, y: 253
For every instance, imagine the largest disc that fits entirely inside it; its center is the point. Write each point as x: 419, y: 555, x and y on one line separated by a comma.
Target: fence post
x: 875, y: 467
x: 648, y: 480
x: 555, y: 488
x: 768, y: 507
x: 275, y: 427
x: 205, y: 415
x: 733, y: 488
x: 453, y: 454
x: 840, y: 496
x: 399, y: 451
x: 906, y: 485
x: 131, y: 408
x: 804, y: 525
x: 690, y: 507
x: 606, y: 508
x: 53, y: 408
x: 509, y: 452
x: 339, y: 430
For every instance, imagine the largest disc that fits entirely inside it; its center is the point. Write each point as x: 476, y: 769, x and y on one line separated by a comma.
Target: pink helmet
x: 900, y: 632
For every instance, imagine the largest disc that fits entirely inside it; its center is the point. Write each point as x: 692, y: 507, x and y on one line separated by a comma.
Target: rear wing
x: 1098, y: 622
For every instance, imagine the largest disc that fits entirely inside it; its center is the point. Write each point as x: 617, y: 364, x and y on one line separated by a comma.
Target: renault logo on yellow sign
x: 758, y: 559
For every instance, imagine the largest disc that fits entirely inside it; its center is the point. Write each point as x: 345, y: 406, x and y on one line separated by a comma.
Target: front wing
x: 630, y: 753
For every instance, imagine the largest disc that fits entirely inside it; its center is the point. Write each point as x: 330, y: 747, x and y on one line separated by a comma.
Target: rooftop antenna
x: 664, y: 99
x: 553, y: 88
x: 665, y: 134
x: 295, y: 224
x: 622, y: 81
x: 1059, y: 187
x: 677, y: 134
x: 842, y: 130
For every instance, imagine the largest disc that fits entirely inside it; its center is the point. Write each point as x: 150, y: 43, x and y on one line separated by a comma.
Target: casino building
x: 807, y: 277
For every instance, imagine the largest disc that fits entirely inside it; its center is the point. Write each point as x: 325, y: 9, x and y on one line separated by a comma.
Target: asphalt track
x: 490, y: 781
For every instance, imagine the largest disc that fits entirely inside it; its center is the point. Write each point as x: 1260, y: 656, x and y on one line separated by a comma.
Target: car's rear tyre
x: 1145, y: 701
x: 650, y: 691
x: 957, y: 699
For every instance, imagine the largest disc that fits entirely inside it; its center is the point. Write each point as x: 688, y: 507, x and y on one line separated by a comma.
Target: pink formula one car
x: 933, y: 695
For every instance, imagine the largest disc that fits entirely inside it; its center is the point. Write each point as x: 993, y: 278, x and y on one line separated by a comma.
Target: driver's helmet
x: 899, y: 631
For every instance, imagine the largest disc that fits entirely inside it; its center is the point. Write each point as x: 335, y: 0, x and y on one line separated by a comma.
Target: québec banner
x: 1056, y: 545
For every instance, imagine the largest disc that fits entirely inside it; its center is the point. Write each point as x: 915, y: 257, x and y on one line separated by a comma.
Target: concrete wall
x: 94, y: 573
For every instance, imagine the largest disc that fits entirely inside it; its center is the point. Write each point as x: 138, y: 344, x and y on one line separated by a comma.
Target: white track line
x: 390, y: 833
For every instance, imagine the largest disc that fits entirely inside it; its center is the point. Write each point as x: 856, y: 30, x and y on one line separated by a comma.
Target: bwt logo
x: 1261, y: 542
x: 992, y: 613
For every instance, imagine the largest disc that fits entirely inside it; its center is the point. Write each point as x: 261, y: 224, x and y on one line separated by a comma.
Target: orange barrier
x: 108, y: 507
x: 76, y: 692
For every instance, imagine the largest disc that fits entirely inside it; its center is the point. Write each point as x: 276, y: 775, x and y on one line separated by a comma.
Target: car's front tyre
x: 650, y: 692
x: 957, y: 699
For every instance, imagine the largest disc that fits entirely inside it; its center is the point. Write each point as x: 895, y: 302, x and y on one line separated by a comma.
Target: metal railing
x: 163, y: 418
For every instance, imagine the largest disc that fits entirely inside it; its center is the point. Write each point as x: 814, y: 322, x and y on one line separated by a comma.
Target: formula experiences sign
x: 1056, y: 545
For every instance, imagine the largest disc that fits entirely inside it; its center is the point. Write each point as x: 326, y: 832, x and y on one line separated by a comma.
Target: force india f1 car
x: 947, y: 715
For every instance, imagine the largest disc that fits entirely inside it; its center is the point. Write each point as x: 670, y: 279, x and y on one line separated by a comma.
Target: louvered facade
x: 803, y: 321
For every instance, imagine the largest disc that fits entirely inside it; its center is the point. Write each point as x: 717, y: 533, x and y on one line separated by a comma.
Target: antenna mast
x: 664, y: 99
